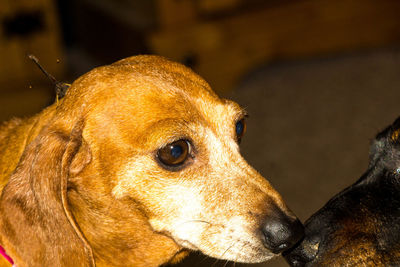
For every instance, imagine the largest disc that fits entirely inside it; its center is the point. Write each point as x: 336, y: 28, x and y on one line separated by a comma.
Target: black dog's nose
x: 281, y: 233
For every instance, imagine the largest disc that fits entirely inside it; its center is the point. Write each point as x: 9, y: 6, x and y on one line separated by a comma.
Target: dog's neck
x: 128, y: 244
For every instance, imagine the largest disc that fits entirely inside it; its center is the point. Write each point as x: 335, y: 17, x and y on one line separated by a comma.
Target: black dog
x: 361, y: 225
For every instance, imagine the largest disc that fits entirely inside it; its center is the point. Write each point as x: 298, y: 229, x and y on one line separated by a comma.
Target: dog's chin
x: 243, y: 252
x: 231, y: 249
x: 244, y: 256
x: 221, y: 241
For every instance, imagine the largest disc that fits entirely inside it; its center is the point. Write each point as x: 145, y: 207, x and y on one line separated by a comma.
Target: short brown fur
x: 81, y: 186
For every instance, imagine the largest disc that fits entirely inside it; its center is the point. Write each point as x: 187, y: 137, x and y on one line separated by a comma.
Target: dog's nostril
x: 280, y: 234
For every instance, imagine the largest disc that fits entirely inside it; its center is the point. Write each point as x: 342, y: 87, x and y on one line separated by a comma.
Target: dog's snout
x: 281, y: 233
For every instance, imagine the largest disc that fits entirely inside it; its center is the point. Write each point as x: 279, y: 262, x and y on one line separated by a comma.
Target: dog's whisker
x: 215, y: 262
x: 204, y: 258
x: 223, y: 255
x: 193, y: 221
x: 227, y: 249
x: 234, y: 262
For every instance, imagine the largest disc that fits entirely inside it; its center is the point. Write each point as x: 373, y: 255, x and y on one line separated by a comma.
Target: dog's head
x: 361, y: 225
x: 158, y: 166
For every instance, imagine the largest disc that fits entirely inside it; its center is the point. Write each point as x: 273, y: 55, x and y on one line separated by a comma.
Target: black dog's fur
x: 361, y: 225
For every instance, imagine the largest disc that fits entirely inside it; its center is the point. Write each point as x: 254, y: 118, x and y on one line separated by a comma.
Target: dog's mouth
x: 244, y: 237
x: 221, y: 242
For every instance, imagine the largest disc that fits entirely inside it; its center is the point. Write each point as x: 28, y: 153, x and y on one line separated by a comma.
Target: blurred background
x: 319, y: 77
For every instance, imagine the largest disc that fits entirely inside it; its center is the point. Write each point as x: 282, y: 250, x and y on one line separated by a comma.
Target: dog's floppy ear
x: 37, y: 228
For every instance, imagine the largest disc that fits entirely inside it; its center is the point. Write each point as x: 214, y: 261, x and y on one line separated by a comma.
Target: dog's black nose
x: 281, y: 233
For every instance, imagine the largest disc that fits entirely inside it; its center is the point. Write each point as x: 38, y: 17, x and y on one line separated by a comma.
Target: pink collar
x: 3, y: 252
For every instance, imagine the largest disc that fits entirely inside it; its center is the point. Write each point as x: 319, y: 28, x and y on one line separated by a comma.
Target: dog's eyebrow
x: 239, y: 112
x: 395, y: 135
x: 244, y: 113
x: 168, y: 130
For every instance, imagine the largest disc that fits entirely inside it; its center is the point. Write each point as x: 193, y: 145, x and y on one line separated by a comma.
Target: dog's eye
x: 240, y: 129
x: 174, y: 154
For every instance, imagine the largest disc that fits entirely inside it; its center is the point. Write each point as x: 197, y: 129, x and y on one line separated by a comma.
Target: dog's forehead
x: 166, y: 75
x: 137, y: 92
x: 170, y: 87
x: 144, y: 75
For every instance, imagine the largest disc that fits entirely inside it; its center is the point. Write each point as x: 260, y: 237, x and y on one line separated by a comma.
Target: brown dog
x: 138, y: 164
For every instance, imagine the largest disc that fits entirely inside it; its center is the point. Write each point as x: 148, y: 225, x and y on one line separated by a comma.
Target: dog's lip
x: 187, y: 244
x: 254, y: 253
x: 257, y: 251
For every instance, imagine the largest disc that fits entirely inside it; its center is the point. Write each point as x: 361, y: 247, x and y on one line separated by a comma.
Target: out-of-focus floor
x: 309, y: 128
